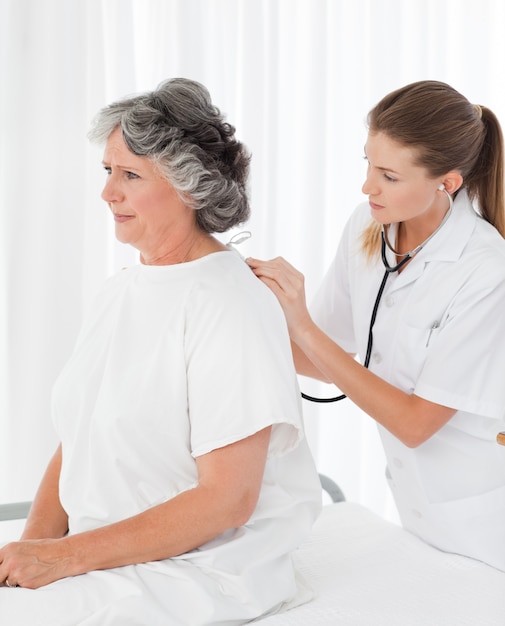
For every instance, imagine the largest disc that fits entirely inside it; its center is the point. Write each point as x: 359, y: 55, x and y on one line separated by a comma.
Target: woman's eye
x: 108, y: 170
x: 389, y: 178
x: 131, y: 175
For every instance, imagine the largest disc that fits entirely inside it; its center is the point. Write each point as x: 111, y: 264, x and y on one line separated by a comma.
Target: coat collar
x: 446, y: 246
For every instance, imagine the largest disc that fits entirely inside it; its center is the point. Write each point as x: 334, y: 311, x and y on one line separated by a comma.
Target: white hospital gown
x: 173, y: 362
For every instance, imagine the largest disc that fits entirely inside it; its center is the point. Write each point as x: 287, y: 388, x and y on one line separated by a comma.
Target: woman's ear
x: 452, y: 181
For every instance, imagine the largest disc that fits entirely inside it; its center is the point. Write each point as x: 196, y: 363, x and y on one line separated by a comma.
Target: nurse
x: 434, y: 383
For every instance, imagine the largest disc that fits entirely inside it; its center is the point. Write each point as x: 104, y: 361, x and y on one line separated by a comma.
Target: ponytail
x: 486, y: 181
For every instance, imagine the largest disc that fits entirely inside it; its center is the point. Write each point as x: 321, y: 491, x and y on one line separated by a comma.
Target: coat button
x: 377, y: 357
x: 397, y: 463
x: 417, y: 513
x: 390, y: 301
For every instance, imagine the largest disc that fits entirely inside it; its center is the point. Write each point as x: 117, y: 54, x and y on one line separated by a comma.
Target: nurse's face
x: 148, y: 212
x: 397, y: 188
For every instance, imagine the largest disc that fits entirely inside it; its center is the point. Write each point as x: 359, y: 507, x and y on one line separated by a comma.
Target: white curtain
x: 296, y: 78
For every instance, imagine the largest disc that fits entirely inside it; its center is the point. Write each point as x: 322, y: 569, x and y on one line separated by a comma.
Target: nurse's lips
x: 375, y: 207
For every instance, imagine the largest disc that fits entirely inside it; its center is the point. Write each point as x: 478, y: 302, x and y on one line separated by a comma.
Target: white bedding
x: 368, y: 572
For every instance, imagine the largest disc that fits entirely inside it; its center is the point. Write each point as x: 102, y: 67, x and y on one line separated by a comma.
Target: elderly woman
x: 183, y: 479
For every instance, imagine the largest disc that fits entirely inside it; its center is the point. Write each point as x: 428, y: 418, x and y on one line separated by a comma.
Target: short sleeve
x: 332, y: 306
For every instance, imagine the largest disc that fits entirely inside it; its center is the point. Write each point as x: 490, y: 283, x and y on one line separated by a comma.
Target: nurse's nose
x: 369, y: 187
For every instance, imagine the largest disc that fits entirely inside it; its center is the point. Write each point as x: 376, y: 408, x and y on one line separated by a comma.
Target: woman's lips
x: 122, y: 218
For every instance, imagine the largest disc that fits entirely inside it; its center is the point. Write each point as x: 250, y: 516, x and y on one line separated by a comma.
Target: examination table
x: 365, y: 571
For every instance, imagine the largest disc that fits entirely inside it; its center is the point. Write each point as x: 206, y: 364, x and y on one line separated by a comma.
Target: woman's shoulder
x: 226, y: 277
x: 489, y: 237
x: 473, y: 235
x: 479, y: 266
x: 110, y: 286
x: 486, y: 248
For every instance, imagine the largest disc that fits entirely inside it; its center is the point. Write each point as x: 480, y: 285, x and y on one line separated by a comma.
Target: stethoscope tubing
x: 389, y: 269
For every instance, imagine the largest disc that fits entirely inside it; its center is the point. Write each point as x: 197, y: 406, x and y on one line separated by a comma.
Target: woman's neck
x: 194, y: 247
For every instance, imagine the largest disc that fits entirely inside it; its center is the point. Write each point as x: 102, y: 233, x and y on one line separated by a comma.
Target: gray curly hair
x: 177, y: 127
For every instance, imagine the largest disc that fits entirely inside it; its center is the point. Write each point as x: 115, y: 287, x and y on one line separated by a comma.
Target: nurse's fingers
x: 286, y: 278
x: 288, y: 285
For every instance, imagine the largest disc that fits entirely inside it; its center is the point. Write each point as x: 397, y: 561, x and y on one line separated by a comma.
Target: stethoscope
x: 389, y: 269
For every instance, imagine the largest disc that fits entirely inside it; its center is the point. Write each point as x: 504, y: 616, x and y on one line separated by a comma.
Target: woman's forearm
x: 164, y: 531
x: 47, y: 519
x: 226, y: 495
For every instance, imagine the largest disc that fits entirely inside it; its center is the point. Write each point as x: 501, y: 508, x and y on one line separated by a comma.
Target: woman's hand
x: 43, y: 554
x: 288, y: 284
x: 33, y: 563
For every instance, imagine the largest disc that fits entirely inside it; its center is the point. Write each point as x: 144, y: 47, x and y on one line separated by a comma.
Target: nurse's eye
x: 108, y: 170
x: 131, y: 175
x: 390, y: 178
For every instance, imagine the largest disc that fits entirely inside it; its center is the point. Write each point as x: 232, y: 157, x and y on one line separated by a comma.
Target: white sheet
x: 368, y: 572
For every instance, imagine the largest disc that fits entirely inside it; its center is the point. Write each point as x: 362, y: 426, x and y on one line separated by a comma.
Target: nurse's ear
x: 451, y: 182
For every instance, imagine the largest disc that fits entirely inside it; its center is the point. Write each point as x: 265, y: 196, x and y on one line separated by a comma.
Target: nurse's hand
x: 33, y: 563
x: 288, y: 284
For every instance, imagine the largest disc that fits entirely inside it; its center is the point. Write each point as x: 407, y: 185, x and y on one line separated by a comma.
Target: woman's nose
x: 110, y: 191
